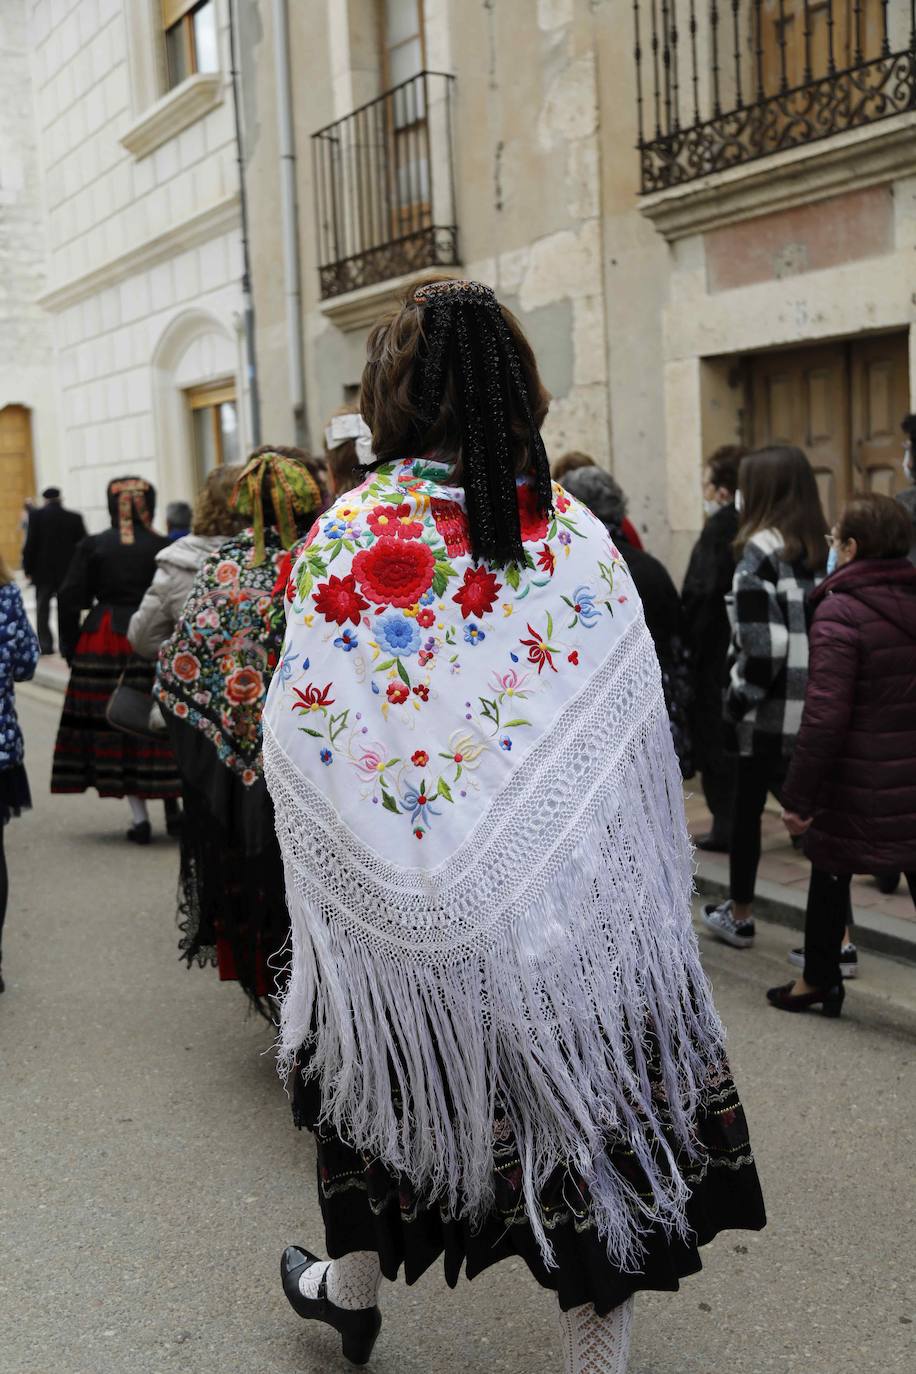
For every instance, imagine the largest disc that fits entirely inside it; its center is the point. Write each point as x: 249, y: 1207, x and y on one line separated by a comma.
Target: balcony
x: 385, y: 191
x: 729, y: 81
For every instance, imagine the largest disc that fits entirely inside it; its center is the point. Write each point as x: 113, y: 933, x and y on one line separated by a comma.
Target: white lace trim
x: 523, y: 970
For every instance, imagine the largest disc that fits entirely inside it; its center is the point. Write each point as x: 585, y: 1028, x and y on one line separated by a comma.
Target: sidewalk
x: 884, y: 924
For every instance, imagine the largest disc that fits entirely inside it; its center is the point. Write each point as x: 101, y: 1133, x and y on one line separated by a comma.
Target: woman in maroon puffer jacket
x: 851, y: 790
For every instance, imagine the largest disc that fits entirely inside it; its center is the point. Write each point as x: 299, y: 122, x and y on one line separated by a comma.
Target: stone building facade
x: 139, y: 299
x: 746, y: 274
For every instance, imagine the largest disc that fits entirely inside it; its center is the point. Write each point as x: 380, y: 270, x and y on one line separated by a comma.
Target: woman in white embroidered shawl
x: 496, y: 1023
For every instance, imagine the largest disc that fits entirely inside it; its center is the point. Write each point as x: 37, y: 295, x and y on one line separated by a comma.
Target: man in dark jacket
x: 53, y: 535
x: 706, y: 585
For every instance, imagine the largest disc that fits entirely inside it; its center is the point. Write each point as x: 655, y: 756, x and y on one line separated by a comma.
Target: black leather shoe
x: 140, y: 834
x: 358, y: 1329
x: 712, y: 843
x: 830, y: 1001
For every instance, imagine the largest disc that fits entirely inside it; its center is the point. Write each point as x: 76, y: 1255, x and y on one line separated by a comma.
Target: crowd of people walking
x: 420, y: 714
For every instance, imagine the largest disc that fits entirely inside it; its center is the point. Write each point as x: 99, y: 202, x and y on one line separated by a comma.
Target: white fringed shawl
x: 488, y: 869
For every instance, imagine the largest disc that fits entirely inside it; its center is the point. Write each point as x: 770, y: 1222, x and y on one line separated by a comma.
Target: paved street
x: 150, y: 1175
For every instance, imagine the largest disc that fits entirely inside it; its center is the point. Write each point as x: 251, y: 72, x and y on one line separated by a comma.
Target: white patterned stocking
x: 593, y: 1344
x: 353, y: 1281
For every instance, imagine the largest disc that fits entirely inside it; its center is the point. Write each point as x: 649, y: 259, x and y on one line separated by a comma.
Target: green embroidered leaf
x: 403, y: 673
x: 338, y: 723
x: 508, y: 724
x: 316, y: 734
x: 513, y: 576
x: 383, y: 667
x: 440, y: 582
x: 549, y: 626
x: 567, y: 600
x: 523, y: 594
x: 306, y: 582
x: 444, y: 790
x: 552, y: 532
x: 393, y: 498
x: 389, y: 803
x: 529, y: 561
x: 336, y: 550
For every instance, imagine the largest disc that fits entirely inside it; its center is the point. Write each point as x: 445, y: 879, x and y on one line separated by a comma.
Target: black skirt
x: 15, y: 796
x: 366, y: 1207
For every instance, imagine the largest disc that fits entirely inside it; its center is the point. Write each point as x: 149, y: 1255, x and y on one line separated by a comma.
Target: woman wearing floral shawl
x: 496, y: 1021
x: 212, y: 679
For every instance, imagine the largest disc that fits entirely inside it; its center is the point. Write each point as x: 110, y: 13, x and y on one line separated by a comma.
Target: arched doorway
x: 17, y: 479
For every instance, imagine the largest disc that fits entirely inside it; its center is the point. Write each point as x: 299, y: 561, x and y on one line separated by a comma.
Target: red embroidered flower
x: 426, y: 618
x: 244, y: 686
x: 186, y: 667
x: 397, y: 693
x: 420, y: 759
x: 396, y: 521
x: 313, y: 698
x: 539, y: 651
x: 422, y: 691
x: 561, y: 501
x: 533, y: 522
x: 574, y: 658
x: 395, y: 572
x: 546, y: 560
x: 338, y: 600
x: 478, y: 593
x: 227, y: 571
x: 452, y: 524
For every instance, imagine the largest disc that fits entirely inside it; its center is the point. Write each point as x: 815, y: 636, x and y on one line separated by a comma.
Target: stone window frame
x: 160, y: 113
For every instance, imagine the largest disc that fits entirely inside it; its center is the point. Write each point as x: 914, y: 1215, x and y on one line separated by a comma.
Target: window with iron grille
x: 722, y: 82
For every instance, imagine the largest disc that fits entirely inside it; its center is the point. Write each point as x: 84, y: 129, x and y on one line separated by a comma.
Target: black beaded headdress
x: 466, y: 332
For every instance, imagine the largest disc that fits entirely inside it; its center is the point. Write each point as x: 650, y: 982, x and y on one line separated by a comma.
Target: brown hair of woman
x: 388, y: 400
x: 779, y: 492
x: 212, y: 512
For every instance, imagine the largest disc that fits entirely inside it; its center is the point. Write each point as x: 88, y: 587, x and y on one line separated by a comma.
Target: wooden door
x: 880, y: 398
x: 801, y: 397
x: 854, y: 35
x: 17, y: 479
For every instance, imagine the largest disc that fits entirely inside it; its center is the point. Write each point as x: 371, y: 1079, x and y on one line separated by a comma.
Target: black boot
x: 358, y: 1329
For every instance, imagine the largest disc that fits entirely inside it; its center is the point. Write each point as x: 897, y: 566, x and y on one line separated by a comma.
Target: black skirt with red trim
x: 89, y: 752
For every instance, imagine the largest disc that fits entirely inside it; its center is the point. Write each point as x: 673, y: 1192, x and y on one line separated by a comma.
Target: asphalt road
x: 150, y: 1176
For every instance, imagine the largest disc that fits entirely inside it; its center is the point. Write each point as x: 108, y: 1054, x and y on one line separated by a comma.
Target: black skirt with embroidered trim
x: 366, y: 1207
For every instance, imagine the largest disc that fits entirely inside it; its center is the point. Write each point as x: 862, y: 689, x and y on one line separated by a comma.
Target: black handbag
x: 134, y: 712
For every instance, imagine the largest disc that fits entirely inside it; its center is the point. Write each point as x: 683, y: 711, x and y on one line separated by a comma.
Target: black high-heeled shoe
x: 830, y: 1000
x: 358, y: 1329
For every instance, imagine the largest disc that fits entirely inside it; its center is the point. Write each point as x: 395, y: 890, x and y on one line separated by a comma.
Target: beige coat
x: 176, y: 567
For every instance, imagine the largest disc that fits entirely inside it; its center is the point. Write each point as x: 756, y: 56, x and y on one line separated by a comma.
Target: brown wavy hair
x: 388, y: 400
x: 212, y: 513
x: 879, y: 525
x: 779, y: 492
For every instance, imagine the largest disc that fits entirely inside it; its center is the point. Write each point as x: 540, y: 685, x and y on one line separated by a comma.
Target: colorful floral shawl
x: 215, y: 670
x: 488, y: 871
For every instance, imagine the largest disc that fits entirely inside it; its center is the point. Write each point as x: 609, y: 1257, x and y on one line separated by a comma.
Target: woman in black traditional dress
x: 108, y: 576
x: 212, y: 679
x: 496, y: 1021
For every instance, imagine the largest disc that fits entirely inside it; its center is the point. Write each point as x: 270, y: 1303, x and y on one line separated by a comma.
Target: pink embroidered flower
x: 244, y: 686
x: 186, y: 667
x: 227, y: 571
x: 510, y: 684
x: 397, y: 693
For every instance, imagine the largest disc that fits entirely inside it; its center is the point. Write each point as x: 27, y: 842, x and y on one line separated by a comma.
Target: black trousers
x: 756, y: 777
x: 44, y: 595
x: 719, y: 779
x: 829, y: 913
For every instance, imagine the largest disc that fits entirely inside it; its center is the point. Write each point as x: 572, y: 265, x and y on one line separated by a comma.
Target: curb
x: 874, y: 930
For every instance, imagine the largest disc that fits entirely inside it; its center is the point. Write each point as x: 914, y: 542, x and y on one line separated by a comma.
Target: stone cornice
x: 205, y: 224
x: 174, y: 111
x: 866, y: 156
x: 360, y: 309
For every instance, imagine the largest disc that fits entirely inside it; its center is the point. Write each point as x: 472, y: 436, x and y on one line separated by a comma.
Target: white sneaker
x: 849, y: 960
x: 721, y: 921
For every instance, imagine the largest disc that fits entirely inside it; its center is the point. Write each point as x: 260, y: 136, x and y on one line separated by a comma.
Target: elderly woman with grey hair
x: 605, y: 498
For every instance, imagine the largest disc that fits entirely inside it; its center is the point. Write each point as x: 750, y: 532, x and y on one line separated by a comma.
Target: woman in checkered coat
x: 782, y: 553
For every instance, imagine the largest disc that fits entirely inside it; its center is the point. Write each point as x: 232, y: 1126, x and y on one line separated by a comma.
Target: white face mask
x: 710, y: 508
x: 738, y: 502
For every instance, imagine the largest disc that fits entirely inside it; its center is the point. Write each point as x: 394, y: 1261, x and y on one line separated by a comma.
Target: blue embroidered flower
x: 326, y: 756
x: 473, y: 634
x: 428, y: 598
x: 285, y: 666
x: 336, y: 529
x: 346, y: 641
x: 505, y: 743
x: 584, y: 606
x: 397, y: 634
x: 418, y: 803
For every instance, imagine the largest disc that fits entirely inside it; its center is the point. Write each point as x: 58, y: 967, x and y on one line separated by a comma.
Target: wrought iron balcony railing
x: 722, y: 82
x: 385, y: 193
